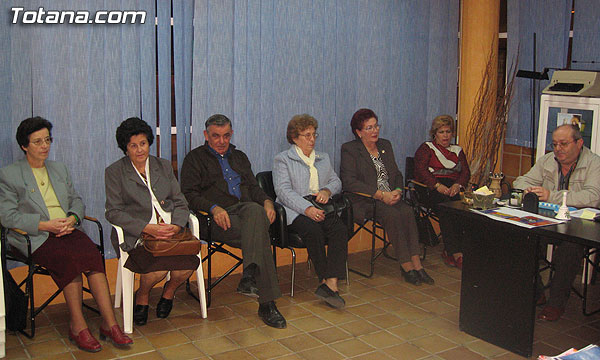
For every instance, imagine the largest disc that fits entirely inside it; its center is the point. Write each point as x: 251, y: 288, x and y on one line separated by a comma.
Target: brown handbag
x: 182, y: 243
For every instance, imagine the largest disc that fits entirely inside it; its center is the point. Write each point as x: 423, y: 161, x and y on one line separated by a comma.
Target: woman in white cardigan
x: 298, y: 174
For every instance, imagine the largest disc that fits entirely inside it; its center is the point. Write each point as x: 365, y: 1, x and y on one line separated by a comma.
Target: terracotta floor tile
x: 170, y: 338
x: 274, y: 333
x: 233, y: 325
x: 364, y: 310
x: 216, y: 345
x: 374, y: 355
x: 323, y: 352
x: 330, y: 335
x: 153, y: 355
x: 433, y: 344
x: 310, y: 323
x: 48, y: 347
x: 182, y: 352
x: 61, y: 356
x: 249, y: 337
x: 384, y: 318
x: 460, y: 353
x: 385, y: 321
x: 205, y: 329
x: 106, y: 353
x: 381, y: 339
x: 437, y: 307
x: 484, y: 348
x: 268, y: 350
x: 352, y: 347
x: 409, y: 331
x: 155, y: 327
x: 360, y: 327
x: 140, y: 345
x: 338, y: 317
x: 405, y: 351
x: 219, y: 313
x: 300, y: 342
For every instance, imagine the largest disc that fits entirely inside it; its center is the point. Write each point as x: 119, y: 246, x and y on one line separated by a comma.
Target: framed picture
x: 556, y: 110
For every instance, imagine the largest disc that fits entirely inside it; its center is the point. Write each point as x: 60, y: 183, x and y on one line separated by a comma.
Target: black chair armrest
x: 100, y: 233
x: 279, y: 231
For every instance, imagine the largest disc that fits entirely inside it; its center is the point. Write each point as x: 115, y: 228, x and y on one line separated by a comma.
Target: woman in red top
x: 444, y: 169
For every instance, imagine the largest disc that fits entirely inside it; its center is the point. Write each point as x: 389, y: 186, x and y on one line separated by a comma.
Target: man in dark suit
x: 217, y: 178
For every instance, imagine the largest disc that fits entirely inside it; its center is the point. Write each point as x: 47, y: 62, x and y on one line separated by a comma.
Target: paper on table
x: 518, y: 217
x: 585, y: 213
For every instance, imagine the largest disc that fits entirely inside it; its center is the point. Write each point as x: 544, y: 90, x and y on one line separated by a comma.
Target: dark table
x: 500, y: 264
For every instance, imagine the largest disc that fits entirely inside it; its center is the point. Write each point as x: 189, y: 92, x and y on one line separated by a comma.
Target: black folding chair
x: 13, y: 254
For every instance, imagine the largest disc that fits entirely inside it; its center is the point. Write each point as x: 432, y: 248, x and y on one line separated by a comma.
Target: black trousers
x: 451, y: 232
x: 250, y: 231
x: 331, y: 232
x: 566, y: 259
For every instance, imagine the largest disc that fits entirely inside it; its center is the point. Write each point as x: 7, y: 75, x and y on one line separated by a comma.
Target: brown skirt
x: 68, y: 256
x: 142, y: 262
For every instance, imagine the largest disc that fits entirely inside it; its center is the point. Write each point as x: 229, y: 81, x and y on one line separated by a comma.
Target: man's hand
x: 58, y: 226
x: 270, y: 210
x: 221, y: 217
x: 162, y: 231
x: 542, y: 193
x: 314, y: 214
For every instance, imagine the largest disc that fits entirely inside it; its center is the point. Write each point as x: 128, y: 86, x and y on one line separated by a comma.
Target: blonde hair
x: 439, y: 122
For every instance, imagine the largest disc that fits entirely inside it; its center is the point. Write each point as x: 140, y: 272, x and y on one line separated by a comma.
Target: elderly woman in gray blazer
x: 142, y: 195
x: 299, y: 172
x: 368, y: 167
x: 37, y: 196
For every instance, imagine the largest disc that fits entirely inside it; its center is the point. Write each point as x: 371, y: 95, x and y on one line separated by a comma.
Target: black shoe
x: 411, y: 276
x: 247, y: 286
x: 425, y: 278
x: 332, y: 298
x: 163, y: 308
x: 271, y: 316
x: 140, y: 314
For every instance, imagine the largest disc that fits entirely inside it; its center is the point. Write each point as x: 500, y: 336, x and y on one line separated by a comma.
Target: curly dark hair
x: 299, y: 123
x: 131, y: 127
x: 28, y: 127
x: 359, y: 118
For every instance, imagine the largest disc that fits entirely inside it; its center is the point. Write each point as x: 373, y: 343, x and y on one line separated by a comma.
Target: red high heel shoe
x: 117, y: 337
x: 85, y: 340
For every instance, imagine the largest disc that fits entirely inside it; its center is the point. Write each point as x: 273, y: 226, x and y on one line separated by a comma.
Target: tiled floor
x: 385, y: 318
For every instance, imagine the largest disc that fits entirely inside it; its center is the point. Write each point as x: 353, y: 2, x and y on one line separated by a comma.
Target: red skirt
x: 68, y: 256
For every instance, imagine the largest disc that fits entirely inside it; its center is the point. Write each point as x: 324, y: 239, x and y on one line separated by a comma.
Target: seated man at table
x: 217, y: 178
x: 573, y: 167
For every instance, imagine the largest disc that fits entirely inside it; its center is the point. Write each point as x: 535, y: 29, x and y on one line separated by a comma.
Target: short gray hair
x: 575, y: 132
x: 217, y: 120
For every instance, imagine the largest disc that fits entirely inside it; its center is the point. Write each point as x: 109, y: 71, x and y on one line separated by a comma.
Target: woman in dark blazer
x: 37, y: 196
x: 142, y: 195
x: 369, y: 167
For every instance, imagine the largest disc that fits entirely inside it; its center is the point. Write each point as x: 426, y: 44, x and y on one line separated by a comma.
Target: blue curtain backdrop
x: 550, y: 20
x: 586, y: 36
x: 261, y: 62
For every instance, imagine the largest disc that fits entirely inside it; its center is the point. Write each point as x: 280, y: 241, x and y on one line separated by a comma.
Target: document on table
x: 518, y: 217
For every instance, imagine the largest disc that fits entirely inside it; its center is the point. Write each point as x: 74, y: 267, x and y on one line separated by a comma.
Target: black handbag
x: 328, y: 208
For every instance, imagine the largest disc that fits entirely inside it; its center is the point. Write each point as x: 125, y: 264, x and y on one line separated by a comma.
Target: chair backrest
x: 409, y: 170
x: 265, y: 181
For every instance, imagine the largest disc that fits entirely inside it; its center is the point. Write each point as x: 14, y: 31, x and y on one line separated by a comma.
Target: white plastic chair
x: 125, y: 279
